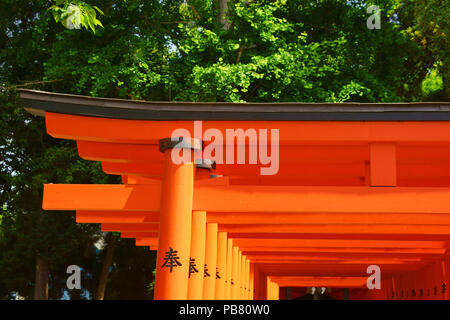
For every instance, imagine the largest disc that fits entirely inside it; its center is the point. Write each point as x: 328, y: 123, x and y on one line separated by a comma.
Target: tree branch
x: 194, y: 10
x: 29, y: 84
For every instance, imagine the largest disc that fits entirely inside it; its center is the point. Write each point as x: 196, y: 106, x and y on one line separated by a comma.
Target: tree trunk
x: 223, y: 8
x: 41, y: 281
x: 111, y: 244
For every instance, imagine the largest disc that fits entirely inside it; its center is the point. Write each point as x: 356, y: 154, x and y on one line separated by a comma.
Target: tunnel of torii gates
x: 357, y: 185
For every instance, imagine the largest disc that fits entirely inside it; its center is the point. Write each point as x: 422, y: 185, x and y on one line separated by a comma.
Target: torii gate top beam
x: 39, y: 102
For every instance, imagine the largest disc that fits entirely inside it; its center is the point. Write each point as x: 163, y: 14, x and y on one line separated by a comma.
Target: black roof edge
x: 39, y: 102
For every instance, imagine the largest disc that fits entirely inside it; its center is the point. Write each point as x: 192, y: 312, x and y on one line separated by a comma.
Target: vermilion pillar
x: 276, y: 291
x: 197, y: 257
x: 447, y: 274
x: 421, y: 284
x: 408, y: 286
x: 235, y: 274
x: 436, y: 280
x: 209, y: 280
x: 387, y: 289
x: 273, y: 290
x: 172, y: 264
x: 229, y: 269
x: 242, y: 278
x: 238, y: 281
x: 415, y: 280
x: 247, y: 280
x: 394, y: 294
x: 221, y: 265
x: 444, y: 284
x: 251, y: 281
x: 247, y: 277
x: 427, y: 283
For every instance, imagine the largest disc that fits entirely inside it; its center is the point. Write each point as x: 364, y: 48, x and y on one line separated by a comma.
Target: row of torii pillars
x: 208, y: 266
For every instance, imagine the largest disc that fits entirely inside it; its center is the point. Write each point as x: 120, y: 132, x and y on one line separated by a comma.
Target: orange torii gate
x: 353, y: 185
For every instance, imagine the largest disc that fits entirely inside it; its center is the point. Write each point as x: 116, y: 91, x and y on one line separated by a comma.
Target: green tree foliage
x: 131, y: 272
x: 29, y: 158
x: 271, y: 51
x: 425, y: 22
x: 75, y: 14
x: 289, y: 51
x: 196, y: 50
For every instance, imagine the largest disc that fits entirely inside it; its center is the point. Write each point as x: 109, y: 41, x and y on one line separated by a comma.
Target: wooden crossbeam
x: 341, y: 282
x: 244, y: 218
x: 292, y: 257
x: 263, y: 244
x: 83, y: 216
x: 348, y: 230
x: 331, y: 262
x: 101, y: 197
x: 130, y: 227
x: 341, y: 236
x: 345, y: 251
x: 322, y: 199
x: 337, y: 229
x: 147, y: 242
x: 346, y: 243
x: 252, y: 199
x: 152, y: 235
x: 311, y: 269
x: 383, y: 164
x: 343, y: 173
x: 149, y: 132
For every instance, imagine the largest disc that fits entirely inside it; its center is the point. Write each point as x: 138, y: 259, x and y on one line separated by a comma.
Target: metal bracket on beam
x: 205, y: 164
x: 180, y: 143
